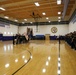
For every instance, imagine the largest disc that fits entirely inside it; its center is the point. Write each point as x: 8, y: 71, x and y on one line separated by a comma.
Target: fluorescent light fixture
x: 16, y: 20
x: 59, y: 17
x: 2, y: 8
x: 49, y: 21
x: 23, y: 22
x: 37, y: 4
x: 59, y: 20
x: 58, y: 2
x: 6, y: 17
x: 59, y: 12
x: 31, y: 22
x: 47, y: 18
x: 25, y: 19
x: 44, y: 13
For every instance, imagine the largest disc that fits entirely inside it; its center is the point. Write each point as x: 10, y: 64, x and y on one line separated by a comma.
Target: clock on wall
x: 54, y: 29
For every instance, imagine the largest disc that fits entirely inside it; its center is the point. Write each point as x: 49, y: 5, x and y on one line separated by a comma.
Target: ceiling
x: 23, y: 9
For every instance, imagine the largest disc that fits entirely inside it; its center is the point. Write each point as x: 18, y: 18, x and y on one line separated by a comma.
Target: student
x: 26, y: 37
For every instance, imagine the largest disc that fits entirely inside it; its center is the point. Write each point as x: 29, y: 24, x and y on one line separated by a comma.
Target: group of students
x: 71, y: 39
x: 18, y: 39
x: 25, y: 37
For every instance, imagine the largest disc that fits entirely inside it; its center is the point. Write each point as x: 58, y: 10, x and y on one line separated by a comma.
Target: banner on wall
x: 3, y: 24
x: 7, y: 26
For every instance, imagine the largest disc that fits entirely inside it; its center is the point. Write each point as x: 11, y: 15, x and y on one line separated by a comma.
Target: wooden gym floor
x: 37, y: 58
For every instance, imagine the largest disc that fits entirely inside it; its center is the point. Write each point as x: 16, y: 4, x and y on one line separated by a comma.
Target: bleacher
x: 71, y: 39
x: 40, y: 37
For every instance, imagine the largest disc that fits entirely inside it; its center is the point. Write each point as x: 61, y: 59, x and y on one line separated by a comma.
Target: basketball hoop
x: 36, y: 18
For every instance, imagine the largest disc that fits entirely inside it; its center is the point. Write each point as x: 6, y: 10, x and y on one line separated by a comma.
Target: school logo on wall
x: 54, y: 29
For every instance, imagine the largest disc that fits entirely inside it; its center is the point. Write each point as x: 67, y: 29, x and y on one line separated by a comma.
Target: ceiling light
x: 44, y: 13
x: 59, y: 20
x: 59, y: 17
x: 16, y: 20
x: 25, y: 19
x: 31, y: 22
x: 37, y: 4
x: 6, y: 17
x: 58, y: 1
x: 59, y: 12
x: 2, y: 8
x: 49, y: 21
x: 47, y: 18
x: 23, y: 22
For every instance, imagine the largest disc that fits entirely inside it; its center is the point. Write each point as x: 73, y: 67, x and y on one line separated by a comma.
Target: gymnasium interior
x: 37, y: 37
